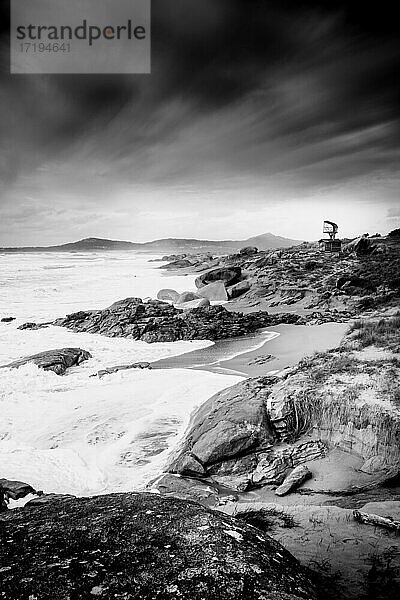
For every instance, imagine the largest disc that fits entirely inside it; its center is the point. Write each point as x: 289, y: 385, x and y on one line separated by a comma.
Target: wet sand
x: 269, y: 351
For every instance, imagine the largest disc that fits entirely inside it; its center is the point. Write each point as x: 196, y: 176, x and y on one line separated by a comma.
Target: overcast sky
x: 258, y: 116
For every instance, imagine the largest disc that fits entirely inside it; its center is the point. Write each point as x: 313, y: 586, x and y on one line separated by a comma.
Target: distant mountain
x: 265, y: 241
x: 86, y: 245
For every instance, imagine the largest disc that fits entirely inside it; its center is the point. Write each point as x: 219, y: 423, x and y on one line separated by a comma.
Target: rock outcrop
x: 362, y: 246
x: 156, y: 321
x: 141, y: 546
x: 229, y: 275
x: 248, y: 251
x: 254, y: 433
x: 57, y: 361
x: 305, y: 279
x: 32, y: 326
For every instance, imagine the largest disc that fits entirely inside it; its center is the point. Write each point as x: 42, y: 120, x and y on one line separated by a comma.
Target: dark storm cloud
x: 238, y: 86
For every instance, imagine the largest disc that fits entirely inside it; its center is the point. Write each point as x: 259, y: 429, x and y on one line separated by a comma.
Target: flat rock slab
x: 57, y: 361
x: 215, y: 291
x: 111, y: 370
x: 298, y: 476
x: 141, y: 546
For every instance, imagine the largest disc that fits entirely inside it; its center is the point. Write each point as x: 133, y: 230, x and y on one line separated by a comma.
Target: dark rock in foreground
x: 15, y: 489
x: 141, y: 546
x: 156, y: 321
x: 54, y: 360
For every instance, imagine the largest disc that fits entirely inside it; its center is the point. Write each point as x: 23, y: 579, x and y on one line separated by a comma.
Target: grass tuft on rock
x: 267, y: 519
x: 384, y: 333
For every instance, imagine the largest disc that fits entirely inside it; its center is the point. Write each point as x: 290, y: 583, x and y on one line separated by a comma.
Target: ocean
x: 75, y: 433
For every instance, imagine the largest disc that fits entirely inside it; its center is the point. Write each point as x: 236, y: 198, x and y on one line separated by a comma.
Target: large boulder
x: 229, y: 424
x: 215, y: 291
x: 248, y: 251
x: 234, y: 291
x: 190, y: 304
x: 187, y: 297
x: 362, y: 246
x: 168, y: 295
x: 16, y: 489
x: 229, y: 275
x: 142, y: 546
x: 57, y: 361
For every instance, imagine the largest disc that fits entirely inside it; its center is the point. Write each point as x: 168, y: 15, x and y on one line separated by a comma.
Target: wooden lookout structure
x: 330, y: 244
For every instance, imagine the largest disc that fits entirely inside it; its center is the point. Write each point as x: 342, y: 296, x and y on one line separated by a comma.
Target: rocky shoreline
x: 291, y: 454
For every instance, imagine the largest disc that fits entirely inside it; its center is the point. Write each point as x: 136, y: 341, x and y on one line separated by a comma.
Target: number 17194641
x: 43, y: 47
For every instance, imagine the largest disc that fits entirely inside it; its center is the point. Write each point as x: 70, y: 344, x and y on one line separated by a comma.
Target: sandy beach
x: 262, y: 353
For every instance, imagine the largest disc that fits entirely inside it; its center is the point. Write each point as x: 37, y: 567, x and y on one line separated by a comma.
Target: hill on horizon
x: 264, y: 241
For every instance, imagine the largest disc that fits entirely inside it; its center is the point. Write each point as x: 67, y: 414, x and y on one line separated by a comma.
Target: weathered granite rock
x: 168, y: 295
x: 156, y: 321
x: 362, y: 246
x: 54, y: 360
x: 229, y: 275
x: 294, y: 480
x: 236, y: 290
x: 142, y: 546
x: 231, y: 423
x: 110, y: 370
x: 256, y: 432
x: 16, y: 489
x: 215, y: 291
x: 182, y: 263
x: 186, y: 488
x: 199, y: 303
x: 248, y: 251
x: 187, y: 297
x: 32, y: 326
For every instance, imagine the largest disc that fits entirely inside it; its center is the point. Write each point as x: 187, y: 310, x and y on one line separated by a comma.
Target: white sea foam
x: 80, y: 434
x: 86, y: 436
